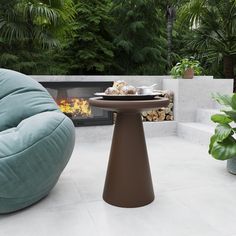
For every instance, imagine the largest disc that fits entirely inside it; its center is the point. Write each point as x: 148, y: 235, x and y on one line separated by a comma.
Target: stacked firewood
x: 163, y: 113
x: 160, y: 114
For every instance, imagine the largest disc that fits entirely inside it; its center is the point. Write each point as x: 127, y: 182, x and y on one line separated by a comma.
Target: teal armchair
x: 36, y: 141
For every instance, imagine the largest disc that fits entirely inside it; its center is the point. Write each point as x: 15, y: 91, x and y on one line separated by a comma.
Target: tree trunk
x: 169, y: 41
x: 234, y: 85
x: 229, y: 69
x: 170, y: 14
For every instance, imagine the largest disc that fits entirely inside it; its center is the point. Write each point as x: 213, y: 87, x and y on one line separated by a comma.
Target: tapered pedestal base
x: 128, y: 181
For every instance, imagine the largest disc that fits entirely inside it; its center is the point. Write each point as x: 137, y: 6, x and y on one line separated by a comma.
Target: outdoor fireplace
x: 72, y: 99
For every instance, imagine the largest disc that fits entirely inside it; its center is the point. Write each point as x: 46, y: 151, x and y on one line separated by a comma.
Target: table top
x: 134, y: 105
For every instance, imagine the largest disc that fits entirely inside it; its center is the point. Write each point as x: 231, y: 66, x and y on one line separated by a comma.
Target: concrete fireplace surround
x: 190, y: 95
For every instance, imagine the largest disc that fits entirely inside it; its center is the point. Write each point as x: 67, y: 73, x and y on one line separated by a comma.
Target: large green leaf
x: 231, y: 114
x: 221, y: 118
x: 225, y: 100
x: 234, y: 101
x: 222, y: 131
x: 224, y: 150
x: 212, y: 141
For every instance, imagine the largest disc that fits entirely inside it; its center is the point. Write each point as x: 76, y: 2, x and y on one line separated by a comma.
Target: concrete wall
x: 191, y: 95
x: 132, y: 80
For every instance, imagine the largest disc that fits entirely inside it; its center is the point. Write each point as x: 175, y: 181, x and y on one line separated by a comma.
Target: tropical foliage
x: 213, y: 37
x: 223, y: 142
x: 117, y: 36
x: 91, y: 50
x: 139, y: 37
x: 28, y: 27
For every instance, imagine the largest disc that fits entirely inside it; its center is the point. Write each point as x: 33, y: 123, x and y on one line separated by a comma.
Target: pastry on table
x: 112, y: 91
x: 128, y: 90
x: 120, y: 87
x: 119, y: 84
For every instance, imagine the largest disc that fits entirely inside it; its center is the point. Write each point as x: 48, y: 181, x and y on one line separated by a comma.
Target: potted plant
x: 186, y: 69
x: 223, y: 143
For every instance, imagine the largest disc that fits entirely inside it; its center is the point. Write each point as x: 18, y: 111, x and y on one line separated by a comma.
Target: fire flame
x: 75, y: 106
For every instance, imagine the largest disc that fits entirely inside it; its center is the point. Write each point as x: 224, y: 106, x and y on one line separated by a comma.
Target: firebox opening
x: 72, y: 99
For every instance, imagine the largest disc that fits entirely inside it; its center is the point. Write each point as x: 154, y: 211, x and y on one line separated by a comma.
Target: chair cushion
x: 36, y: 141
x: 21, y: 97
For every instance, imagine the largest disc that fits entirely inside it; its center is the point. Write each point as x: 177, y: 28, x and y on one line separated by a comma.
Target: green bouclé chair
x: 36, y: 141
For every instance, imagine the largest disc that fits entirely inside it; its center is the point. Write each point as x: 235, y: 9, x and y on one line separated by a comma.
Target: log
x: 161, y: 115
x: 169, y: 117
x: 152, y: 116
x: 167, y: 110
x: 145, y: 113
x: 171, y: 105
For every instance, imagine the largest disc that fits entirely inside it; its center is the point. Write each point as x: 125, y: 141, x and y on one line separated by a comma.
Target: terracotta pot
x: 188, y: 74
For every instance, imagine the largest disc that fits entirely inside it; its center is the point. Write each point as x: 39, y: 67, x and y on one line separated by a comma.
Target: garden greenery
x: 117, y: 36
x: 223, y: 142
x: 178, y: 70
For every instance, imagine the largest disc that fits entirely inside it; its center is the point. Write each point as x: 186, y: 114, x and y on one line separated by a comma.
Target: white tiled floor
x: 195, y: 196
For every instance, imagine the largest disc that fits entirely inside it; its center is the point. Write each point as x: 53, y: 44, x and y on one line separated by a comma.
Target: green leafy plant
x: 29, y: 28
x: 90, y: 51
x: 213, y: 36
x: 179, y: 69
x: 223, y: 144
x: 139, y: 37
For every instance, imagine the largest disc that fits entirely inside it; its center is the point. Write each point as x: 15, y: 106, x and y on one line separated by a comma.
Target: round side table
x: 128, y: 180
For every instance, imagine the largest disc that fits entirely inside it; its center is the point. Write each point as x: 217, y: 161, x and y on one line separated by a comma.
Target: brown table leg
x: 128, y: 181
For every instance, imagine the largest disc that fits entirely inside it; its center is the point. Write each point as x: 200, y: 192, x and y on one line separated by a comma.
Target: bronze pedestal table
x: 128, y: 180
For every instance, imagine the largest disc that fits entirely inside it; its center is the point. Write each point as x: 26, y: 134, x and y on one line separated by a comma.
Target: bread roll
x: 119, y: 84
x: 112, y: 91
x: 129, y: 89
